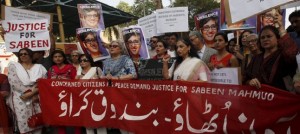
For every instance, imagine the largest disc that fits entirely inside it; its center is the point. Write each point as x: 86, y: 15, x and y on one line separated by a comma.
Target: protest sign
x: 32, y: 34
x: 151, y: 69
x: 208, y: 24
x: 135, y: 42
x: 230, y: 76
x: 91, y: 44
x: 11, y: 13
x: 242, y: 9
x: 249, y: 23
x: 172, y: 20
x: 91, y: 16
x: 166, y: 107
x: 148, y: 25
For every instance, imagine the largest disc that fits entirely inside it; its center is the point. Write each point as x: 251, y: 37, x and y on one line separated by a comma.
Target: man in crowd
x: 294, y: 18
x: 153, y: 41
x: 198, y: 42
x: 173, y: 37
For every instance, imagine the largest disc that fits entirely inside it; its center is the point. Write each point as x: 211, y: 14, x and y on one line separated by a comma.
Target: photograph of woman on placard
x: 91, y: 16
x: 136, y: 44
x: 207, y: 23
x: 91, y: 44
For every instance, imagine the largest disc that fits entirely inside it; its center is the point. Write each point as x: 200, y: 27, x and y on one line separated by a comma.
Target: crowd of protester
x: 268, y: 57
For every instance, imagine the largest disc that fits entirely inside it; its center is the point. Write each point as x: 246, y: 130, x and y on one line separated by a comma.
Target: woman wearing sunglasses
x: 22, y: 77
x: 88, y: 71
x: 119, y: 66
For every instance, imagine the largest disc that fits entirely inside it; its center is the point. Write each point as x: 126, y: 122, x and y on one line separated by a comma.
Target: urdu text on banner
x: 169, y: 107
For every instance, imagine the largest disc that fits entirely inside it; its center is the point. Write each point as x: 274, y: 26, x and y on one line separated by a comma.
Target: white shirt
x: 172, y: 53
x: 201, y: 52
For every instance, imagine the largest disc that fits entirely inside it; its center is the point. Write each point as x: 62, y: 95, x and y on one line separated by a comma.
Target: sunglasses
x: 84, y: 60
x: 113, y: 46
x: 21, y: 54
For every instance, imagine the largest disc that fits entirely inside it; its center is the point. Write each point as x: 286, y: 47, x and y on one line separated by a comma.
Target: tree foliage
x: 140, y: 5
x: 196, y: 7
x: 124, y: 7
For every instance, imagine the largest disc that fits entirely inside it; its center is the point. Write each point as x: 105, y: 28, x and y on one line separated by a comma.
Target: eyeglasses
x: 153, y: 41
x: 192, y: 39
x: 252, y: 41
x: 74, y: 55
x: 113, y: 46
x: 83, y: 60
x: 135, y: 42
x: 266, y: 36
x: 92, y: 15
x: 268, y: 16
x: 21, y: 54
x: 212, y: 27
x: 89, y: 41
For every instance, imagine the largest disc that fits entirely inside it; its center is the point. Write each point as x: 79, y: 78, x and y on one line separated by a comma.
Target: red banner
x: 147, y: 107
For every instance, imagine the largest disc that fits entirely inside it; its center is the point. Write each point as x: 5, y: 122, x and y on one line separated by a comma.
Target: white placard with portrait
x: 172, y: 20
x: 226, y: 76
x: 242, y: 9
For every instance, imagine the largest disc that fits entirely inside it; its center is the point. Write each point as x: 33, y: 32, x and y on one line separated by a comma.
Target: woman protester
x: 222, y: 58
x: 187, y: 66
x: 119, y: 66
x: 161, y: 49
x: 61, y: 69
x: 4, y: 111
x: 277, y: 63
x: 89, y: 71
x: 23, y: 76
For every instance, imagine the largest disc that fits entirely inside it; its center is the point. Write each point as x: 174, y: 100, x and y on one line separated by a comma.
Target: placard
x: 172, y: 20
x: 151, y: 69
x: 91, y: 16
x: 231, y: 76
x: 32, y: 34
x: 148, y: 24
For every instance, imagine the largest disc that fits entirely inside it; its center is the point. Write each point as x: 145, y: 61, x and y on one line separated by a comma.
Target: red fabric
x: 67, y: 72
x: 184, y: 107
x: 225, y: 60
x: 4, y: 118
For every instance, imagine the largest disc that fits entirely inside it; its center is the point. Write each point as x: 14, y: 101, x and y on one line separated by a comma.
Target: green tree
x: 124, y: 7
x: 196, y: 7
x: 143, y: 8
x: 110, y: 31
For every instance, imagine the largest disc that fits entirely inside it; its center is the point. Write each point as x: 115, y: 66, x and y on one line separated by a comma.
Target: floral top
x: 118, y: 67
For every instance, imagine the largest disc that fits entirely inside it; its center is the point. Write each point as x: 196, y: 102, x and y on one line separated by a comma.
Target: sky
x: 114, y: 3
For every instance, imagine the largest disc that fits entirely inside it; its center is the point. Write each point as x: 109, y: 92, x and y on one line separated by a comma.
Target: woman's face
x: 182, y: 49
x: 84, y: 62
x: 231, y: 46
x: 134, y: 44
x: 160, y: 49
x: 268, y: 39
x: 252, y: 43
x: 267, y: 19
x: 209, y: 30
x: 92, y: 19
x: 58, y: 58
x: 24, y: 56
x: 114, y: 48
x: 244, y: 38
x: 220, y: 42
x: 91, y: 43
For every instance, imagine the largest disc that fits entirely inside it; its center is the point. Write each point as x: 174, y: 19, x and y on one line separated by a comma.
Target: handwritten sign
x: 226, y: 76
x: 172, y: 20
x: 166, y: 107
x: 242, y: 9
x: 32, y: 34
